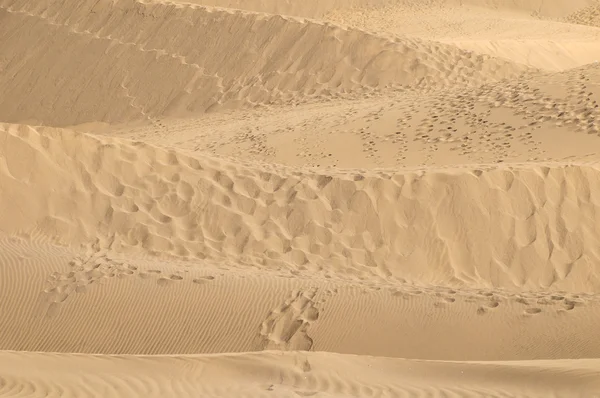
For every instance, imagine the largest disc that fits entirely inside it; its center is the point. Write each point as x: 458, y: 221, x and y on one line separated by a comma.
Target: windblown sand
x: 286, y: 198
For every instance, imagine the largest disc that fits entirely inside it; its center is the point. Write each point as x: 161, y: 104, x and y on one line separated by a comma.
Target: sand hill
x: 366, y: 198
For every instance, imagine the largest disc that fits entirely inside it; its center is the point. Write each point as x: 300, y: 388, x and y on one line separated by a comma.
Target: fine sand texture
x: 285, y: 198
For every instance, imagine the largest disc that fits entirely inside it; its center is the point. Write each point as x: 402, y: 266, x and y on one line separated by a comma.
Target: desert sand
x: 285, y: 198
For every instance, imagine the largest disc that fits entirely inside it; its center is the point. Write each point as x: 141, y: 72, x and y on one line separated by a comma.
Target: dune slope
x: 98, y: 69
x: 433, y: 226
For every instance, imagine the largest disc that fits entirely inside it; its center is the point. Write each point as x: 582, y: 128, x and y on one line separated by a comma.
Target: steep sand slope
x: 526, y: 32
x: 530, y: 225
x: 98, y: 69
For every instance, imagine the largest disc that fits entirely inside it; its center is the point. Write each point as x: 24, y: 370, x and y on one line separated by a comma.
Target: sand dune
x: 317, y: 240
x: 320, y: 8
x: 96, y: 299
x: 516, y: 34
x: 289, y: 375
x: 358, y: 198
x: 125, y: 74
x: 543, y: 117
x: 309, y: 9
x: 513, y: 31
x: 378, y: 223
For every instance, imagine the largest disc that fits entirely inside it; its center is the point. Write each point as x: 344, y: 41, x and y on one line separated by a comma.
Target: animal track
x: 286, y: 327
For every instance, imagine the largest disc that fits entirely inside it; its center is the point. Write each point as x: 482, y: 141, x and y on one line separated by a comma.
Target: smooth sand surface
x: 282, y: 198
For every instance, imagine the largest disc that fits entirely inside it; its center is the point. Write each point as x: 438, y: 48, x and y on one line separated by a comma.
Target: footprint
x: 450, y: 299
x: 533, y: 310
x: 53, y: 310
x: 176, y: 277
x: 306, y: 393
x: 521, y: 300
x: 81, y: 289
x: 203, y: 279
x: 163, y: 282
x: 285, y: 328
x: 396, y: 293
x: 492, y: 304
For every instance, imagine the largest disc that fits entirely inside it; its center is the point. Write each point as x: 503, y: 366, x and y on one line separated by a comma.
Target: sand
x: 358, y: 198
